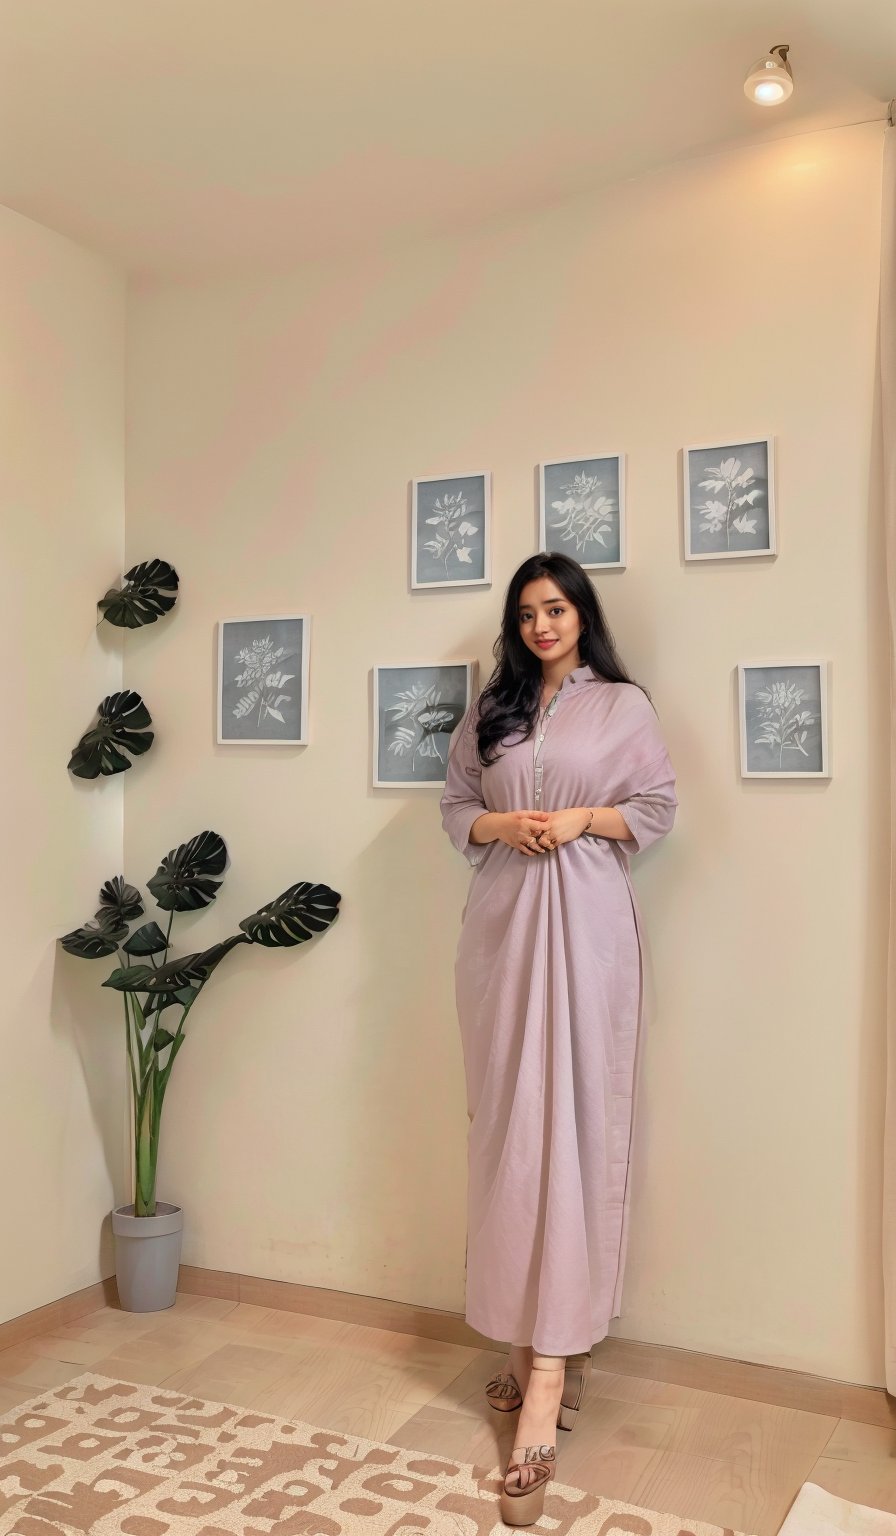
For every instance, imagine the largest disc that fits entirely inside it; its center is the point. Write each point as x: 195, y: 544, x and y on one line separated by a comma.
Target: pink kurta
x: 549, y: 994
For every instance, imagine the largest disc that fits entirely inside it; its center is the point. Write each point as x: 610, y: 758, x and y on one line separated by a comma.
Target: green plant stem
x: 148, y: 1095
x: 154, y: 1083
x: 127, y: 1030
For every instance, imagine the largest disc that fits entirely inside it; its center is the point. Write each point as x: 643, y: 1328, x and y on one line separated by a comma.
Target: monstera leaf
x: 302, y: 911
x: 120, y: 728
x: 184, y: 881
x: 96, y: 939
x: 148, y: 940
x: 119, y: 904
x: 192, y: 971
x: 150, y: 590
x: 122, y: 899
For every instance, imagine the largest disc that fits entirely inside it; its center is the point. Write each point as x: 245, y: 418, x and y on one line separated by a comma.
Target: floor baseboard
x: 57, y: 1313
x: 616, y: 1356
x: 623, y: 1357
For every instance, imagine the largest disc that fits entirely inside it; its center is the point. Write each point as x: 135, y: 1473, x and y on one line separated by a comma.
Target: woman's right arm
x: 462, y: 804
x: 485, y: 829
x: 465, y: 813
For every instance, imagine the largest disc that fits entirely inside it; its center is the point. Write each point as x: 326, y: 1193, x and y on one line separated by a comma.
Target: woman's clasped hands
x: 532, y: 832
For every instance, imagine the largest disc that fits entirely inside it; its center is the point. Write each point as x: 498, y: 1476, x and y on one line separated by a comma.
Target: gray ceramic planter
x: 147, y: 1256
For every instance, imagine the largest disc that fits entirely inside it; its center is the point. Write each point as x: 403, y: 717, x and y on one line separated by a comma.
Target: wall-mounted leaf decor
x: 150, y: 590
x: 121, y: 728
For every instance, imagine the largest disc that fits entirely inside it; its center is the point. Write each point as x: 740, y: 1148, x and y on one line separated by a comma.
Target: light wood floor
x: 693, y: 1453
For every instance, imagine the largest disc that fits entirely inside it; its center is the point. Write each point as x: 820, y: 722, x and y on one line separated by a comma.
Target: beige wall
x: 62, y: 319
x: 315, y: 1129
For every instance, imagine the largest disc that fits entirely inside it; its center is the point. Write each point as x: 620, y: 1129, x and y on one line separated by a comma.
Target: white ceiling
x: 190, y: 137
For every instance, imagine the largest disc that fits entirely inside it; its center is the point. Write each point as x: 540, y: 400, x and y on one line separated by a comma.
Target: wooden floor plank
x: 662, y: 1441
x: 859, y: 1463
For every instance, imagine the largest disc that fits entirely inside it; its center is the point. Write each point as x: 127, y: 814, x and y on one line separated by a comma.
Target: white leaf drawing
x: 725, y: 477
x: 413, y: 700
x: 276, y: 714
x: 451, y: 514
x: 246, y: 704
x: 585, y: 514
x: 781, y: 719
x: 405, y: 736
x: 434, y: 719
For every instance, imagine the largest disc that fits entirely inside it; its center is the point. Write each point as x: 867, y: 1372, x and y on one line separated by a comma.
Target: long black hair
x: 511, y: 699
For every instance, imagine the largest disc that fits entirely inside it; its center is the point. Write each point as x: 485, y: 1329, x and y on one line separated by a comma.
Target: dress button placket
x: 539, y: 767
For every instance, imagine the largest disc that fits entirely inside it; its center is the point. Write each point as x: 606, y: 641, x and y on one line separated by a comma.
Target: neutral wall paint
x: 315, y: 1129
x: 62, y: 331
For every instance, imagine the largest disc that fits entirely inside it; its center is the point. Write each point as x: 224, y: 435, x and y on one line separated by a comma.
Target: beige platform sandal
x: 522, y: 1501
x: 503, y: 1392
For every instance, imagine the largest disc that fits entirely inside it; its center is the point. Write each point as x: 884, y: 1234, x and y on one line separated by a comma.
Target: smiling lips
x: 543, y: 644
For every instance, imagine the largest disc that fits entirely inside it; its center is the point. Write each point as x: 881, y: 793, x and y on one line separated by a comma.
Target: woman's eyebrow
x: 548, y: 602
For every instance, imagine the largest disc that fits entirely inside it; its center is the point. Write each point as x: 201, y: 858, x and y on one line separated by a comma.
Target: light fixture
x: 770, y: 80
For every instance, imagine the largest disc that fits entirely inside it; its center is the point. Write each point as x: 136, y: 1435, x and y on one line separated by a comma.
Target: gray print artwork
x: 728, y: 498
x: 450, y: 529
x: 782, y: 706
x: 261, y: 680
x: 419, y: 708
x: 581, y: 510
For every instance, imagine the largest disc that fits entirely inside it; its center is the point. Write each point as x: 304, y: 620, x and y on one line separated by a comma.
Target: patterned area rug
x: 98, y: 1457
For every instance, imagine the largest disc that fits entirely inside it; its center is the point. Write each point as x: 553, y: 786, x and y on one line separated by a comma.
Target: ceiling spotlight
x: 770, y: 80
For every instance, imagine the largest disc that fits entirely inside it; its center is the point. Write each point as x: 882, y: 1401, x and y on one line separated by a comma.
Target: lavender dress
x: 549, y: 994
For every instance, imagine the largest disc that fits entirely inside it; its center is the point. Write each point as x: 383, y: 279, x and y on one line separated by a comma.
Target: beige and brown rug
x: 98, y: 1457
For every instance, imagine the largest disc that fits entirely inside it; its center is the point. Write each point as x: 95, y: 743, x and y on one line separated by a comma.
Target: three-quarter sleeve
x: 650, y: 813
x: 462, y: 801
x: 643, y: 789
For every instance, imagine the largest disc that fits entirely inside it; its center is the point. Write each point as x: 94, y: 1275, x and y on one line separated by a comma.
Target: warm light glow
x: 768, y: 90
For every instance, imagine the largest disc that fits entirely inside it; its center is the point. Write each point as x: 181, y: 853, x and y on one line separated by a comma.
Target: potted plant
x: 158, y: 994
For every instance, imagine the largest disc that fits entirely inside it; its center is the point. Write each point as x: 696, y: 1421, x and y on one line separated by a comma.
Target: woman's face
x: 549, y: 624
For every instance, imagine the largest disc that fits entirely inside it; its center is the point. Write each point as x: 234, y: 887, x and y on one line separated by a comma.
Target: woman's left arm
x: 646, y: 816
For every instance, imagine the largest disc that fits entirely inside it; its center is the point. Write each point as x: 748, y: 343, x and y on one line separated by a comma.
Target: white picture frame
x: 712, y: 518
x: 578, y: 526
x: 289, y: 650
x: 398, y: 741
x: 436, y: 521
x: 796, y: 722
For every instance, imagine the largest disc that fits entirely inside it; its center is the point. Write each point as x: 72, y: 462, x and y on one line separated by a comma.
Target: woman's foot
x: 520, y: 1365
x: 533, y: 1461
x: 541, y: 1403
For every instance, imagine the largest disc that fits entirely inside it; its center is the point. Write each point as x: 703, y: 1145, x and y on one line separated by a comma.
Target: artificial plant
x: 154, y: 987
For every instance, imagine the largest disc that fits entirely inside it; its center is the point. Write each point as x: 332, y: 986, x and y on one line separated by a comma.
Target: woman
x: 557, y: 773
